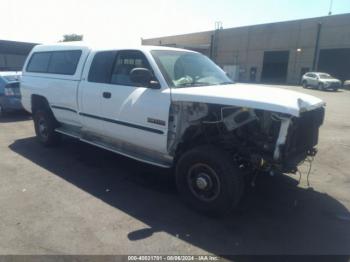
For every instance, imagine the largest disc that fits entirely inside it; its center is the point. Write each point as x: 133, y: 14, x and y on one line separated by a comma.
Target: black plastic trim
x: 64, y: 108
x: 157, y: 131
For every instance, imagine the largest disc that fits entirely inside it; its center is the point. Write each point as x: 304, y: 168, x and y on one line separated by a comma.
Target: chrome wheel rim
x: 204, y: 183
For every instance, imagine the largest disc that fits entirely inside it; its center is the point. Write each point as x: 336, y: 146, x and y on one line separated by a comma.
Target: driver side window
x: 125, y: 62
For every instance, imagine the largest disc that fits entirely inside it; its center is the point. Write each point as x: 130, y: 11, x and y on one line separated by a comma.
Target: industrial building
x: 276, y: 52
x: 13, y: 54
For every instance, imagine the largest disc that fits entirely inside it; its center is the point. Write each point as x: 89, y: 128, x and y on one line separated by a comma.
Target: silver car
x: 10, y: 96
x: 346, y: 84
x: 322, y: 81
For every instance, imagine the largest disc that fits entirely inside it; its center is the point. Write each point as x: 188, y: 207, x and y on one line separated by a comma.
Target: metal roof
x: 14, y: 47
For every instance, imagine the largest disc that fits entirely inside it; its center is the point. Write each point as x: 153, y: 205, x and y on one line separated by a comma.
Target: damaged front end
x: 257, y: 139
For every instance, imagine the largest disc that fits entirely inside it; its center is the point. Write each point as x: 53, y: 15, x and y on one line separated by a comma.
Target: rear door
x: 135, y: 115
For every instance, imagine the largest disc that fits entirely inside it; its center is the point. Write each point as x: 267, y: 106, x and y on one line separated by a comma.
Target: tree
x: 72, y: 37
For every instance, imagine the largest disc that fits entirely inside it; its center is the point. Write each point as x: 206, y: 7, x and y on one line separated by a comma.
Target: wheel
x: 208, y: 180
x: 45, y: 124
x: 320, y: 86
x: 304, y: 84
x: 335, y: 89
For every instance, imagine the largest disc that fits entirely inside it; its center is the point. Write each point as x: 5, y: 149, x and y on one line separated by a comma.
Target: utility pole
x: 330, y: 7
x: 314, y: 64
x: 214, y: 40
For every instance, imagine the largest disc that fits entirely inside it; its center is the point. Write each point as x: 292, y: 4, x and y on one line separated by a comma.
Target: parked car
x: 346, y: 84
x: 322, y: 81
x: 10, y: 97
x: 171, y: 108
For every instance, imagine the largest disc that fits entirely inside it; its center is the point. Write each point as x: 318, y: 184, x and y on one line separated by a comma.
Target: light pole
x: 330, y: 7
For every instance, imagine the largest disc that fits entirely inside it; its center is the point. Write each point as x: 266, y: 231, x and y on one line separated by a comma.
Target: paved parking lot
x: 78, y: 199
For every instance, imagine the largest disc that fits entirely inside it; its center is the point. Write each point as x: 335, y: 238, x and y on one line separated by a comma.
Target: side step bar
x: 115, y: 146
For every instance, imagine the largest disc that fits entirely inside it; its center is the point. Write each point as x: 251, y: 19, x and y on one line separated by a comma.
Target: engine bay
x: 257, y: 139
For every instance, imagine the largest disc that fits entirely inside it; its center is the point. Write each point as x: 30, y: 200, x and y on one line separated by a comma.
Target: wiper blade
x: 202, y: 84
x: 193, y: 84
x: 226, y: 83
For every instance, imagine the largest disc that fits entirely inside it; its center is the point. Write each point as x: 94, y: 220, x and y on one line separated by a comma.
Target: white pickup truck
x: 170, y: 108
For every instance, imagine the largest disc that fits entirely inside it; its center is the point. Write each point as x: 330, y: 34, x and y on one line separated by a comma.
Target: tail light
x: 9, y: 92
x: 12, y: 89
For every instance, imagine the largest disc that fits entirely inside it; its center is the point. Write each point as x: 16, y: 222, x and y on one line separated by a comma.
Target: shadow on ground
x: 15, y: 117
x: 277, y: 217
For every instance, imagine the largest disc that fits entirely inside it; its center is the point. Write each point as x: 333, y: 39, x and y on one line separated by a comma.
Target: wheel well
x: 39, y: 102
x: 194, y: 136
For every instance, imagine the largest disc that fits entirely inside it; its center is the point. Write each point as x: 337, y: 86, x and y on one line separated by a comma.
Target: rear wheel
x: 45, y: 125
x: 208, y: 180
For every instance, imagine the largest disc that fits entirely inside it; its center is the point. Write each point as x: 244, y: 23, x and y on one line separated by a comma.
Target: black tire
x: 45, y: 124
x: 304, y: 84
x: 223, y: 183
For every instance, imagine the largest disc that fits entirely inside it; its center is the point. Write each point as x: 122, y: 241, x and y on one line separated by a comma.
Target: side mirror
x: 143, y: 77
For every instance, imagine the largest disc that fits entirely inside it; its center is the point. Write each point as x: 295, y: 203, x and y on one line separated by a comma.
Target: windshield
x: 325, y: 76
x: 187, y: 69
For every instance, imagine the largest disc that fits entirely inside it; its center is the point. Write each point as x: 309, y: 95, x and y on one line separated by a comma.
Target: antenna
x: 330, y: 7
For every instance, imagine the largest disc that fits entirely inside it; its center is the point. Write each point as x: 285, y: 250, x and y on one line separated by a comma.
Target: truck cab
x: 171, y: 108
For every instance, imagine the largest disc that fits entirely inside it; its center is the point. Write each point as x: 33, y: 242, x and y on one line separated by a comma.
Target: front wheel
x: 209, y: 181
x: 45, y: 124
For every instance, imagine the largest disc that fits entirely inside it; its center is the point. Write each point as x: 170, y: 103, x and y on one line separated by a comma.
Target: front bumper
x: 334, y: 85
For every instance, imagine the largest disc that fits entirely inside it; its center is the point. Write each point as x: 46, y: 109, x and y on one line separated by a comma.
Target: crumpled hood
x: 251, y: 96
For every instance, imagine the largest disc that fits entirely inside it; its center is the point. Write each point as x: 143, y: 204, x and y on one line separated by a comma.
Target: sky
x: 127, y: 21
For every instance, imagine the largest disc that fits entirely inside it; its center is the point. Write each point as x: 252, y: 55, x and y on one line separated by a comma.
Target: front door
x: 313, y: 80
x: 96, y: 79
x: 135, y: 115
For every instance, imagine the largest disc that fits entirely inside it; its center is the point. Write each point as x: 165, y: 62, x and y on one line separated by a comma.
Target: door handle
x: 107, y: 95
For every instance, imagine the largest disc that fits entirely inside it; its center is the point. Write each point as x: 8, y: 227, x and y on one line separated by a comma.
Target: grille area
x: 334, y: 85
